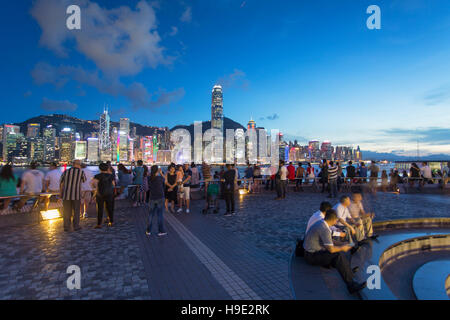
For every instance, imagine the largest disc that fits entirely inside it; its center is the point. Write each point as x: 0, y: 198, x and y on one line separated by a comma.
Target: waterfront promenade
x: 202, y: 257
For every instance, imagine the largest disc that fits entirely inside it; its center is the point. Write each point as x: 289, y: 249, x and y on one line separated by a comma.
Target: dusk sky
x: 309, y: 68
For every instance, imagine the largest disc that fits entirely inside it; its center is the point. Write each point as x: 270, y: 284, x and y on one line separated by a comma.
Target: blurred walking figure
x: 71, y: 181
x: 51, y: 182
x: 156, y: 202
x: 374, y: 170
x: 32, y: 185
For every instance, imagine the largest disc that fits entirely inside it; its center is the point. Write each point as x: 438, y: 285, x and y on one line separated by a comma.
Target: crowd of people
x: 334, y: 230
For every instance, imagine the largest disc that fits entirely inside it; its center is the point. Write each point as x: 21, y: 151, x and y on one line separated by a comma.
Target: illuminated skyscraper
x: 104, y: 138
x: 93, y: 147
x: 10, y: 136
x: 217, y: 108
x: 80, y: 150
x: 49, y: 136
x: 66, y: 139
x: 124, y: 133
x: 33, y: 130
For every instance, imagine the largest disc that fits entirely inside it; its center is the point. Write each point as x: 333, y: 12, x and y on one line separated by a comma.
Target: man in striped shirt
x: 332, y: 179
x: 70, y: 188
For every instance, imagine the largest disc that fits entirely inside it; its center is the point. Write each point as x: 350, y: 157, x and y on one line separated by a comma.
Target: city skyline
x: 386, y: 90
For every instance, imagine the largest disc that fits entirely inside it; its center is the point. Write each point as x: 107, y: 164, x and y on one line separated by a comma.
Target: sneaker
x: 187, y: 211
x: 148, y: 233
x: 162, y: 234
x: 179, y: 210
x: 233, y: 213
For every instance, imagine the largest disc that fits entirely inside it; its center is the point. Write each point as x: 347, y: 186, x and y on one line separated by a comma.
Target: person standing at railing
x: 299, y: 174
x: 8, y: 185
x: 70, y: 188
x: 103, y: 184
x: 51, y: 181
x: 257, y: 178
x: 324, y: 175
x: 32, y: 185
x: 332, y: 180
x: 374, y: 170
x: 156, y: 201
x: 229, y: 188
x: 138, y: 174
x: 384, y: 181
x: 414, y: 174
x: 351, y: 171
x: 426, y: 174
x: 249, y: 176
x: 171, y: 189
x: 363, y: 172
x: 86, y: 190
x: 125, y: 179
x: 291, y: 172
x: 310, y: 173
x: 281, y: 181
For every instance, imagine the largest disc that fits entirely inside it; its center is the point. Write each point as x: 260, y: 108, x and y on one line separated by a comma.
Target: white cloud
x: 120, y: 41
x: 187, y: 15
x: 135, y: 93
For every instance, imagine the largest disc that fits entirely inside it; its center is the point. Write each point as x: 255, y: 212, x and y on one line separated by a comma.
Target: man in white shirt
x: 345, y: 220
x: 320, y: 215
x: 425, y: 171
x: 86, y: 190
x: 281, y: 183
x: 32, y: 184
x: 52, y: 181
x: 362, y: 220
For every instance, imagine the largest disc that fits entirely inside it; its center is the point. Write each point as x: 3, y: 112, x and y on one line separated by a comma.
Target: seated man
x: 320, y: 215
x: 362, y: 220
x: 320, y: 250
x: 345, y: 222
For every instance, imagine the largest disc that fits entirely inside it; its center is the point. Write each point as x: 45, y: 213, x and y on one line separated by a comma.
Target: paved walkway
x: 203, y: 257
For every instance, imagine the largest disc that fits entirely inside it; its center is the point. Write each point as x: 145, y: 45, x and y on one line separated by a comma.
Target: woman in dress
x: 171, y: 189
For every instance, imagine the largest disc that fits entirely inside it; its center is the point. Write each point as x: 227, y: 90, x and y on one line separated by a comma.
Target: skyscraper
x: 33, y: 130
x: 10, y: 135
x: 93, y: 147
x: 124, y: 133
x: 104, y: 138
x: 67, y: 137
x: 217, y: 108
x: 49, y: 135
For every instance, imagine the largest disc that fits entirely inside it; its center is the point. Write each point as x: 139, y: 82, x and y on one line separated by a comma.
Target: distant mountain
x: 83, y: 126
x: 227, y: 124
x: 372, y: 155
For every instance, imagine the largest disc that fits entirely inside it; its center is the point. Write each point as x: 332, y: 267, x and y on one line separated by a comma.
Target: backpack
x: 105, y: 187
x: 299, y: 250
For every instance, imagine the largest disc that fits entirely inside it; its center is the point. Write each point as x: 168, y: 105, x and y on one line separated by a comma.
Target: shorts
x: 86, y: 195
x: 185, y: 193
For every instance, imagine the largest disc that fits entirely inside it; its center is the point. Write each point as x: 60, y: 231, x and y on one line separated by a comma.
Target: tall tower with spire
x: 217, y: 108
x: 104, y: 138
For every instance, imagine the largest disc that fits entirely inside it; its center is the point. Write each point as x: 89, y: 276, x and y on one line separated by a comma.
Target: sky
x: 311, y: 69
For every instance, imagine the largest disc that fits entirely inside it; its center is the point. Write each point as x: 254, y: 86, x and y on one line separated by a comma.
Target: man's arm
x: 352, y: 230
x: 334, y: 249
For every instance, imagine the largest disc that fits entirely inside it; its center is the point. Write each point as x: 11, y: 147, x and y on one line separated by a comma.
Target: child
x: 212, y: 195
